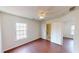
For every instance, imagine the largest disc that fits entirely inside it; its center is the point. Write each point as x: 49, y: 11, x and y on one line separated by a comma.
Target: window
x: 21, y: 29
x: 72, y: 29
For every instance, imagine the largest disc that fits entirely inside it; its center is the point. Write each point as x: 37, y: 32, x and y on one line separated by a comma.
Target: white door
x: 57, y: 33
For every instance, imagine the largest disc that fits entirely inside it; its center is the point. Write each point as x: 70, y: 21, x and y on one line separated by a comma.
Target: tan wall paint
x: 48, y: 31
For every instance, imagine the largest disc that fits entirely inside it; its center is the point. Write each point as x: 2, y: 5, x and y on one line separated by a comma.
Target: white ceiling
x: 32, y: 11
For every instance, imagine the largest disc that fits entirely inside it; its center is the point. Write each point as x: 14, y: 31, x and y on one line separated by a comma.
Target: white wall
x: 57, y: 33
x: 67, y: 29
x: 76, y: 37
x: 0, y: 35
x: 43, y: 30
x: 9, y: 30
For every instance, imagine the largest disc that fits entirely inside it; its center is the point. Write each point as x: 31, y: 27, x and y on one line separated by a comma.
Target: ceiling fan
x: 42, y: 14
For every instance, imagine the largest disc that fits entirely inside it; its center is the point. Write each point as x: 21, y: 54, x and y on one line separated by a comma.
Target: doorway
x: 68, y: 40
x: 48, y: 31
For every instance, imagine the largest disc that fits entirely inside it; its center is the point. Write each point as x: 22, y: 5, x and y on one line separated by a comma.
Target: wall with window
x: 14, y: 36
x: 73, y: 17
x: 21, y: 31
x: 76, y: 37
x: 68, y: 29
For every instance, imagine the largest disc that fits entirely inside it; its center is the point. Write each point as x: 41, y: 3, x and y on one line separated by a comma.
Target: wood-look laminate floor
x: 44, y: 46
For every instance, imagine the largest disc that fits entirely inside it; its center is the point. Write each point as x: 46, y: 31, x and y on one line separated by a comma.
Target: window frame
x: 21, y: 31
x: 72, y: 29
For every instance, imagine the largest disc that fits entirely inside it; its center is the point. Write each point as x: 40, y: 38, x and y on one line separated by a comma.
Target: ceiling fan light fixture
x: 42, y: 14
x: 41, y: 17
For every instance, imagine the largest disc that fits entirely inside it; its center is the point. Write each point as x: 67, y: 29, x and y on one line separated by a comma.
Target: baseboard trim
x: 67, y: 38
x: 20, y: 46
x: 28, y: 43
